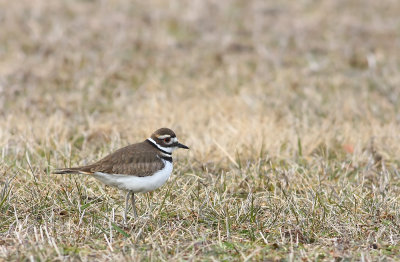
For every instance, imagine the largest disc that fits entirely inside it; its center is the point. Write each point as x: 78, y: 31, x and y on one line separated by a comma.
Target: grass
x: 291, y: 111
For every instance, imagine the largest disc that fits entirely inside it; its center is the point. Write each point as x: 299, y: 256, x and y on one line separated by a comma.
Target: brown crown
x: 163, y: 131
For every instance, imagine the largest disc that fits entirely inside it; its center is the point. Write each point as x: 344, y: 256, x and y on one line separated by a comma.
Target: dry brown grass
x: 291, y: 109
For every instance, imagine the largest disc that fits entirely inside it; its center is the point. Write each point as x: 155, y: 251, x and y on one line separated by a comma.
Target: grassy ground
x: 291, y: 110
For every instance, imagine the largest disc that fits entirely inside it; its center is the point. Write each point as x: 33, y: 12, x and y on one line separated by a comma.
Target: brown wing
x: 135, y: 160
x: 137, y: 164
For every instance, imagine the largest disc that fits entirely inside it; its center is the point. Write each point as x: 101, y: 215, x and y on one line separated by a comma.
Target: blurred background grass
x: 240, y: 82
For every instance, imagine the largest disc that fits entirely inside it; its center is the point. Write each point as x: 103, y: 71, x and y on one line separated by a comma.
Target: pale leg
x: 134, y: 205
x: 126, y: 205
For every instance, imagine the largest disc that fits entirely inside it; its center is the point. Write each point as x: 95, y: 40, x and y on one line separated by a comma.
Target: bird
x: 137, y: 168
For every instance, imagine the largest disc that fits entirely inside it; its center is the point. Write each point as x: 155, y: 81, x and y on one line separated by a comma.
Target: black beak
x: 182, y: 146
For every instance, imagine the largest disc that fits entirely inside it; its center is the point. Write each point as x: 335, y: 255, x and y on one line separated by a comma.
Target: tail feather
x: 72, y: 170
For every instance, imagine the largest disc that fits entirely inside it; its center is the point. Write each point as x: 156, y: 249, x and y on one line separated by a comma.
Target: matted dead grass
x: 291, y: 110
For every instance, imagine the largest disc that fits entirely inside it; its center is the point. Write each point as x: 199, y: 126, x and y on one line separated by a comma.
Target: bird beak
x: 182, y: 146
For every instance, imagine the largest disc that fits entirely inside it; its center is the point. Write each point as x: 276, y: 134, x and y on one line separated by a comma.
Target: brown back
x: 141, y: 159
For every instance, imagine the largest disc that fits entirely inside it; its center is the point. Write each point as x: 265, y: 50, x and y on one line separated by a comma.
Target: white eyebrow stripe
x: 163, y: 136
x: 166, y: 149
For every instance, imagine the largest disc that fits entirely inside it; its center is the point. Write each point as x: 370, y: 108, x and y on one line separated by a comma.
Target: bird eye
x: 167, y: 140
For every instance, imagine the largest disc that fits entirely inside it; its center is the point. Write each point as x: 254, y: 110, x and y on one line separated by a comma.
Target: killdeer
x: 141, y: 167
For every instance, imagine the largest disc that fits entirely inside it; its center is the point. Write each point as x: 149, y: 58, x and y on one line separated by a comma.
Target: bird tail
x: 72, y: 170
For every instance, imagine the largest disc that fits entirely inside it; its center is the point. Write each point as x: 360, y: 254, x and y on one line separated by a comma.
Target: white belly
x: 134, y: 183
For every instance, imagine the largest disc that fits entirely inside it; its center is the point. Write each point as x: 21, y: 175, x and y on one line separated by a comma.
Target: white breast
x: 137, y: 184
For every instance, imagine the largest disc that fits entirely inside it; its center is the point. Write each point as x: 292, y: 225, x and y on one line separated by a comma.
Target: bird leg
x: 149, y: 201
x: 126, y: 205
x: 134, y: 205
